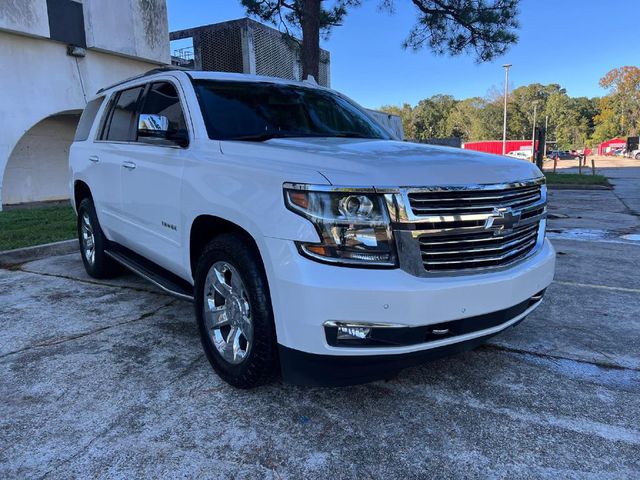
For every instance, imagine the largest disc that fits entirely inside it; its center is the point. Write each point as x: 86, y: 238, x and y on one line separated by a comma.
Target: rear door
x: 152, y: 179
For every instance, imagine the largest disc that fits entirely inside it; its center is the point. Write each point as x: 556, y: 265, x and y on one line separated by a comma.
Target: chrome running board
x: 161, y: 278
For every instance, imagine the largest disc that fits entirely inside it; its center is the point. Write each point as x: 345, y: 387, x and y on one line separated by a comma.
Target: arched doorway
x: 38, y: 167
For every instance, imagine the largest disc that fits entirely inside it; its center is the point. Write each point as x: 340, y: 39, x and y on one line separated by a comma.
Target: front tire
x: 93, y: 243
x: 637, y: 156
x: 234, y: 314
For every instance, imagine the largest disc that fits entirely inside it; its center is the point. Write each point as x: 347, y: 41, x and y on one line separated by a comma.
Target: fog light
x: 353, y: 333
x: 361, y: 334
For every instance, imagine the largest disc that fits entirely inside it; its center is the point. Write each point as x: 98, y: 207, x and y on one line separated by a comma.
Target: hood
x: 380, y: 163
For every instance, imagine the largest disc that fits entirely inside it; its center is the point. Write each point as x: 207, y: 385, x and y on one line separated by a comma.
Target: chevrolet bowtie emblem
x: 502, y: 220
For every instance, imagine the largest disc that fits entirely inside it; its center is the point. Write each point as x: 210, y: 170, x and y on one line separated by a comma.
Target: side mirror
x: 157, y: 127
x: 152, y: 125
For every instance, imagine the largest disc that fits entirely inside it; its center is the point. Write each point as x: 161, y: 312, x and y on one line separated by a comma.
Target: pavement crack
x: 93, y: 282
x: 550, y: 356
x: 119, y: 421
x: 188, y: 369
x: 630, y: 210
x: 69, y: 338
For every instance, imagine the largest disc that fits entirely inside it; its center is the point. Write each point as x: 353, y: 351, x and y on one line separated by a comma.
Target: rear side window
x: 120, y: 121
x: 87, y: 118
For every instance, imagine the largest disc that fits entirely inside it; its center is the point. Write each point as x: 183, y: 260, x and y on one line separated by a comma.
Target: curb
x: 28, y: 254
x: 578, y: 187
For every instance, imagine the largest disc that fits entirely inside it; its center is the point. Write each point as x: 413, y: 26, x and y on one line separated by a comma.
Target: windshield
x: 260, y: 111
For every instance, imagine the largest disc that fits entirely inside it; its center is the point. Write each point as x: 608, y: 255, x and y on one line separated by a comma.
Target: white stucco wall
x: 142, y: 33
x: 39, y: 165
x: 39, y: 80
x: 25, y: 16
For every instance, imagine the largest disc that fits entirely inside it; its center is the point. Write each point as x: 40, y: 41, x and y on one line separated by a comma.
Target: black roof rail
x: 153, y: 71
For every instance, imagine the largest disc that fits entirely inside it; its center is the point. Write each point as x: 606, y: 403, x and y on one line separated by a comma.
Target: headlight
x: 353, y: 225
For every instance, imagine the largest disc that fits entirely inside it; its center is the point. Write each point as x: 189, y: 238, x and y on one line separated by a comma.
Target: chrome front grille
x: 480, y: 250
x: 462, y: 228
x: 459, y: 202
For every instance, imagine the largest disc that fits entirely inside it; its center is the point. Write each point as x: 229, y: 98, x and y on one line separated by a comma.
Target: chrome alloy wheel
x: 87, y: 239
x: 227, y: 313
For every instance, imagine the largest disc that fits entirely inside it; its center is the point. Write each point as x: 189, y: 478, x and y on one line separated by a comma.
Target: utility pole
x: 546, y: 130
x: 533, y: 135
x: 506, y: 94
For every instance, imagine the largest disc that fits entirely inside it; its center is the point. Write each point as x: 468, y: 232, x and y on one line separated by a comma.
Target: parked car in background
x: 521, y: 154
x: 310, y: 242
x: 560, y: 155
x: 617, y: 151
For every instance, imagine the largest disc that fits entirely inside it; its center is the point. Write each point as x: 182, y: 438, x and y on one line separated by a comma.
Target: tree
x: 485, y: 27
x: 490, y: 121
x: 521, y: 107
x: 464, y: 120
x: 624, y: 97
x: 607, y: 121
x: 586, y: 110
x: 431, y: 115
x: 573, y: 122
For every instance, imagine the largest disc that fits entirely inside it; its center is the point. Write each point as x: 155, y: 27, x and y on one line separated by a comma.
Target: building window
x: 66, y: 22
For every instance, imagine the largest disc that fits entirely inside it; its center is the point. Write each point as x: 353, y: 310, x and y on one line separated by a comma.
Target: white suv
x: 310, y: 242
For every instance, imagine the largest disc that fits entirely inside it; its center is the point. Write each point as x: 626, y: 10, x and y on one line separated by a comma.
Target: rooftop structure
x: 245, y: 46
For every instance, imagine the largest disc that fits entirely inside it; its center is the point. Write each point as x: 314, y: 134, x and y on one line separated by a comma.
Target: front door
x: 152, y: 178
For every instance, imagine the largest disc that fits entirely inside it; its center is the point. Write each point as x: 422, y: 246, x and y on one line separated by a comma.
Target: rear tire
x: 234, y: 314
x: 637, y: 156
x: 93, y: 243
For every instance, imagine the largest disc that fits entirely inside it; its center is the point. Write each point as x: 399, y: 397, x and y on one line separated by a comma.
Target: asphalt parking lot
x: 108, y: 379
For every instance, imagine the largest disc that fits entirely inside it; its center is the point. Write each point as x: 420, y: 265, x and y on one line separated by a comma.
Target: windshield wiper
x: 262, y: 137
x: 350, y: 135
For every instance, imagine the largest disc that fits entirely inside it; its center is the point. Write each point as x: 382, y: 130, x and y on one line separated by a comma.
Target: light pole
x: 506, y: 93
x: 533, y: 135
x: 546, y: 128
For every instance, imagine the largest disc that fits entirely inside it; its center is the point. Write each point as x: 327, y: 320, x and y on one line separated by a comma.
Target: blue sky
x: 570, y: 42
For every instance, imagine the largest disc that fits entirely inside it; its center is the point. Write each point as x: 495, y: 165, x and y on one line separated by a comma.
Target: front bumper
x: 306, y: 294
x: 301, y: 368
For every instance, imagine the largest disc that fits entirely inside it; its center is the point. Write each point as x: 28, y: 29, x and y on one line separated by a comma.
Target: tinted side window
x: 120, y: 123
x: 86, y: 119
x: 163, y: 103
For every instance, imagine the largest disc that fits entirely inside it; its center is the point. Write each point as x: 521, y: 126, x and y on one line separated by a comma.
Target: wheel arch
x: 205, y: 227
x: 80, y: 191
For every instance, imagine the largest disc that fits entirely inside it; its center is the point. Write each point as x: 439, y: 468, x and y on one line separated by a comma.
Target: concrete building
x: 246, y: 46
x: 54, y: 55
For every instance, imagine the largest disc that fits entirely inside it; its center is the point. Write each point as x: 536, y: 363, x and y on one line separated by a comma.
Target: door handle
x: 94, y: 158
x: 129, y: 165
